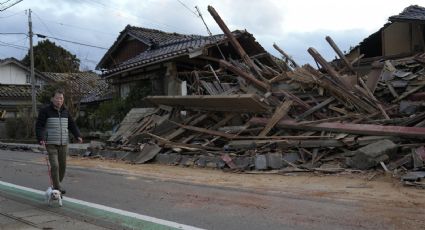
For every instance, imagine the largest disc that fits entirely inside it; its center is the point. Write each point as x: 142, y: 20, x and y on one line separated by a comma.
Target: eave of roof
x: 170, y: 50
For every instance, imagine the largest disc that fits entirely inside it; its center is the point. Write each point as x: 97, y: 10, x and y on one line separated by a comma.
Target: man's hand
x: 43, y: 143
x: 80, y: 140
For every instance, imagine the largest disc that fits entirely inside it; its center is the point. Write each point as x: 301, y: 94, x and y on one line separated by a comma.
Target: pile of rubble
x: 247, y: 115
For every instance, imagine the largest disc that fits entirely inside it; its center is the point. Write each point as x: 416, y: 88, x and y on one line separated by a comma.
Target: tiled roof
x: 15, y: 91
x: 414, y: 12
x: 151, y: 36
x: 89, y: 84
x: 162, y: 46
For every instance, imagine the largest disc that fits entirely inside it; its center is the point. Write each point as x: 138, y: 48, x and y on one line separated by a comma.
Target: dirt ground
x: 342, y: 186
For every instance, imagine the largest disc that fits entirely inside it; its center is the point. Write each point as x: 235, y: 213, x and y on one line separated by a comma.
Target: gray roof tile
x: 413, y: 12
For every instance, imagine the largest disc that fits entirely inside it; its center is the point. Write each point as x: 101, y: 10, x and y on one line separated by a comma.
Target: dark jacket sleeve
x: 40, y: 125
x: 73, y: 127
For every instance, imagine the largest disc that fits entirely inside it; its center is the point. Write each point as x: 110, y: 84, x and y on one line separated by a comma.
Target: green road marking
x: 119, y: 217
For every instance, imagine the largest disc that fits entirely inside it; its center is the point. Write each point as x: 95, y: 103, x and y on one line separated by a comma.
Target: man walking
x: 52, y: 127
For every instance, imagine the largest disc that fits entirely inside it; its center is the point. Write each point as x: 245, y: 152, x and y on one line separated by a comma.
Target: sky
x: 294, y: 25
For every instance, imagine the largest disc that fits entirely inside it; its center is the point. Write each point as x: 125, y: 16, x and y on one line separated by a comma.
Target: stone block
x: 274, y: 160
x: 260, y: 162
x: 370, y: 155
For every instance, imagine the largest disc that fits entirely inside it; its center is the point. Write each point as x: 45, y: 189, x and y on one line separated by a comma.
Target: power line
x: 7, y: 6
x: 12, y: 33
x: 79, y: 27
x: 185, y: 6
x: 122, y: 14
x: 74, y: 42
x: 47, y: 28
x: 13, y: 45
x: 97, y: 2
x: 13, y: 14
x: 209, y: 32
x: 42, y: 22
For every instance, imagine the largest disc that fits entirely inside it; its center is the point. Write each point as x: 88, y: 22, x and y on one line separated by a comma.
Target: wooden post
x: 233, y: 40
x: 331, y: 71
x: 285, y: 55
x: 340, y: 54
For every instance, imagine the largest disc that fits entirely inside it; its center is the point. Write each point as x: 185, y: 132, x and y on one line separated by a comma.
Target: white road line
x: 109, y: 209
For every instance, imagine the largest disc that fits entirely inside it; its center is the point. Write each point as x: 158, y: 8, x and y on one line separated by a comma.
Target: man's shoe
x: 63, y: 191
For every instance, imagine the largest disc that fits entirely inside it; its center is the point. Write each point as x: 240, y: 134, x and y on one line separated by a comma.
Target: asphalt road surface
x: 210, y: 206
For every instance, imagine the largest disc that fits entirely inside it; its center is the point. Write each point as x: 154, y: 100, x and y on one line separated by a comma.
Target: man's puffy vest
x: 52, y: 126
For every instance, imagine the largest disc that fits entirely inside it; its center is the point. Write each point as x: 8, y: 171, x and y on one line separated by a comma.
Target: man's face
x: 57, y: 100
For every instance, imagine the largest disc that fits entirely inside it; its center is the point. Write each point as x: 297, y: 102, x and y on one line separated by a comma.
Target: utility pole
x: 30, y: 34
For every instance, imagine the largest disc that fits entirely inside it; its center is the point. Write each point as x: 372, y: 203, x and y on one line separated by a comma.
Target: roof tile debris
x: 414, y: 13
x: 287, y: 118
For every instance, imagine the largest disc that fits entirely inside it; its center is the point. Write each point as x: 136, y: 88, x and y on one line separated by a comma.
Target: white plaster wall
x: 12, y: 74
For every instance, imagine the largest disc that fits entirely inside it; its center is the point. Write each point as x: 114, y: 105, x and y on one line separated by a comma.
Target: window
x: 28, y: 79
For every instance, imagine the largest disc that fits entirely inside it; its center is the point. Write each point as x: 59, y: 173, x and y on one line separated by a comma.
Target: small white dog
x: 52, y: 195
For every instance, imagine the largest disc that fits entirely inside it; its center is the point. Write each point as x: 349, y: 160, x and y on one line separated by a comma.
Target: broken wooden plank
x: 279, y: 113
x: 364, y: 129
x: 352, y: 63
x: 190, y: 147
x: 315, y: 108
x: 250, y: 78
x: 392, y: 90
x: 378, y: 103
x: 180, y: 131
x: 405, y: 94
x: 224, y: 103
x: 206, y: 131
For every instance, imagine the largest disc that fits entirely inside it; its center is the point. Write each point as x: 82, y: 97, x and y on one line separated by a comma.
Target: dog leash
x: 48, y: 166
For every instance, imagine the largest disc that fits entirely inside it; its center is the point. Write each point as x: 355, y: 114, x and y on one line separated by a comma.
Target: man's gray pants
x: 57, y: 159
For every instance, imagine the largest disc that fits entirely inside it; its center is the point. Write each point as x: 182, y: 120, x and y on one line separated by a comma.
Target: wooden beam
x: 363, y: 129
x: 405, y: 94
x: 378, y: 103
x: 206, y: 131
x: 223, y: 103
x: 279, y: 113
x: 331, y: 71
x: 285, y: 55
x: 180, y: 131
x: 233, y: 40
x: 315, y: 108
x: 190, y: 147
x: 247, y: 76
x: 340, y: 54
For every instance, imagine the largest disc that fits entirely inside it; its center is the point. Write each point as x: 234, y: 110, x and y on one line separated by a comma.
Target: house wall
x: 129, y: 49
x: 397, y: 39
x: 12, y: 74
x: 418, y: 40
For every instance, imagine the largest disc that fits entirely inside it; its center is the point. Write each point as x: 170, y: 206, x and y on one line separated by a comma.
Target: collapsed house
x: 248, y: 113
x: 402, y: 36
x: 162, y: 61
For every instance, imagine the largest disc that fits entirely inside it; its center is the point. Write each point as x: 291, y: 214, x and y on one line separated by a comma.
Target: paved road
x: 209, y: 207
